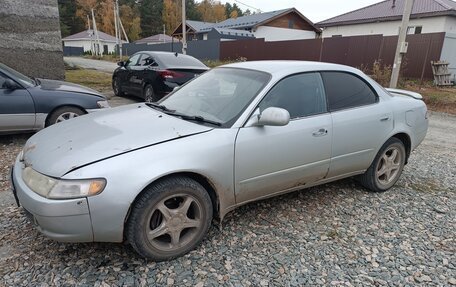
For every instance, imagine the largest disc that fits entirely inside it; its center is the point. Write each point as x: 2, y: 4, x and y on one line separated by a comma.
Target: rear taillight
x: 167, y: 74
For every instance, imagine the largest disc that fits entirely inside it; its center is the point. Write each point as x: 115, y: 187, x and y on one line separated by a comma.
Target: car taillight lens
x: 167, y: 74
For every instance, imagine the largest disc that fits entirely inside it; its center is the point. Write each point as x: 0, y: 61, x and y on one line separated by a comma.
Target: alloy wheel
x: 66, y: 116
x: 174, y: 222
x: 389, y: 166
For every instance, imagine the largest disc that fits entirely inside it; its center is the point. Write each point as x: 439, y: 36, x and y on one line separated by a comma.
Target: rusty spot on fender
x: 29, y: 148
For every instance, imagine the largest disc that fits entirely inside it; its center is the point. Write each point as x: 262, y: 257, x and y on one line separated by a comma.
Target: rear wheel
x: 386, y: 168
x: 149, y: 94
x: 169, y: 219
x: 63, y: 114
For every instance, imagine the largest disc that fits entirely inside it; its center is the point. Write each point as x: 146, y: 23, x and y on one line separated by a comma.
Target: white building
x: 87, y: 40
x: 281, y: 25
x: 384, y: 18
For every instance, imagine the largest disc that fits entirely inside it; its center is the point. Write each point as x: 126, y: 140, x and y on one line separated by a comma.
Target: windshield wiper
x: 182, y: 116
x: 159, y: 107
x: 37, y: 82
x: 198, y: 119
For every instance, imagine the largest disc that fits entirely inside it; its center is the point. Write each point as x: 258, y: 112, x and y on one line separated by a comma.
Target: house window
x: 413, y: 30
x: 291, y: 24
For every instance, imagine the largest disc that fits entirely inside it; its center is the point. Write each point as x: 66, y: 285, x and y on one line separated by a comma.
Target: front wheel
x: 116, y: 87
x: 386, y: 168
x: 169, y: 219
x: 63, y: 114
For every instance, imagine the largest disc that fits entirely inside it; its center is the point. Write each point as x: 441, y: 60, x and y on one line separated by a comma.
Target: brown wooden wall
x: 356, y: 51
x: 283, y: 22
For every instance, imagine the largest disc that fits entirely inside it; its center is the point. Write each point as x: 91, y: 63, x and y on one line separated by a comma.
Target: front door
x: 17, y: 110
x: 269, y: 159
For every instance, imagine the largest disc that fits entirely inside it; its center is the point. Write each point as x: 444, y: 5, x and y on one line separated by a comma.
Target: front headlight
x: 61, y: 188
x: 103, y: 104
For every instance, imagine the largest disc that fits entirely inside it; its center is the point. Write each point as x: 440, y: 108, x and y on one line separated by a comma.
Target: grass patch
x: 96, y: 80
x: 109, y: 58
x: 437, y: 99
x: 213, y: 63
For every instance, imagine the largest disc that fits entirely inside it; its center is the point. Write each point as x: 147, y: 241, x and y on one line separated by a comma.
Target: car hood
x: 53, y: 85
x: 69, y: 145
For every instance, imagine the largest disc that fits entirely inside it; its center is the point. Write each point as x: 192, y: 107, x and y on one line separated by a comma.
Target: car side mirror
x: 121, y: 64
x: 270, y: 117
x: 10, y: 85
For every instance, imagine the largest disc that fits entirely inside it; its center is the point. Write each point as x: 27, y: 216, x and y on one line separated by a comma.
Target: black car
x: 30, y: 104
x: 152, y: 75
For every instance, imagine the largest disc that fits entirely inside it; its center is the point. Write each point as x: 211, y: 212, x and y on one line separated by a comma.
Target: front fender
x: 209, y: 154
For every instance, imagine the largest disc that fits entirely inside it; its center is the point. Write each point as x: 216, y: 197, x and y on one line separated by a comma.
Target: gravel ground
x: 337, y: 235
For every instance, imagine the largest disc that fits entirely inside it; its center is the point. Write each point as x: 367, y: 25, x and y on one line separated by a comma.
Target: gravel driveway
x: 337, y: 234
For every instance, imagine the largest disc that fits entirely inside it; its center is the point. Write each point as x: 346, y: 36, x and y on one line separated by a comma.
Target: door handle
x: 320, y: 133
x: 384, y: 119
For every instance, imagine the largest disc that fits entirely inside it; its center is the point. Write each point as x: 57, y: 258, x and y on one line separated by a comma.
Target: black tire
x: 375, y: 178
x: 147, y: 218
x: 63, y: 113
x: 149, y: 94
x: 117, y: 88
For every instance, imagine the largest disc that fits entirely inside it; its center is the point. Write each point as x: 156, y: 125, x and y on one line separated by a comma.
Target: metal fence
x: 356, y: 51
x: 203, y: 50
x: 73, y: 51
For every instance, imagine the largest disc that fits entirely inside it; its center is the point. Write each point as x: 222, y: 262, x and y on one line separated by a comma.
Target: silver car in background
x: 156, y: 174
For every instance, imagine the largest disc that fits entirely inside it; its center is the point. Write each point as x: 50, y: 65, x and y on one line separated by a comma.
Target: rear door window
x: 344, y: 90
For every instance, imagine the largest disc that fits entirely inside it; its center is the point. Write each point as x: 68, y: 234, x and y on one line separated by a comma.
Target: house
x: 282, y: 25
x: 157, y: 39
x: 87, y: 40
x: 428, y: 16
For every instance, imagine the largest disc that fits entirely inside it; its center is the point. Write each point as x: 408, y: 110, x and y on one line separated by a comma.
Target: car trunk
x: 182, y: 75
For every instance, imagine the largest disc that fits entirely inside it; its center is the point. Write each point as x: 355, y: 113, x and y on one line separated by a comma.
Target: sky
x: 314, y: 10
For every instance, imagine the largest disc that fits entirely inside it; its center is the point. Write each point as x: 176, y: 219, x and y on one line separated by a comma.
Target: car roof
x: 158, y: 53
x: 281, y: 67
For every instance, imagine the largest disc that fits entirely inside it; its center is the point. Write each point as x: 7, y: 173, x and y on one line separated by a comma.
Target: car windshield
x: 23, y: 79
x: 219, y: 95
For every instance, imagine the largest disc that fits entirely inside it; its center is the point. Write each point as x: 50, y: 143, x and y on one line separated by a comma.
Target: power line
x: 258, y: 10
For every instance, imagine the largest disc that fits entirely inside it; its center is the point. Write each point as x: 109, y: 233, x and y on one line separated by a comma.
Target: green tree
x: 69, y: 22
x: 192, y: 10
x: 151, y: 14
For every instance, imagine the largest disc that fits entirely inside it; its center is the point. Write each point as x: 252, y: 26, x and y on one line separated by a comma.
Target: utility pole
x: 98, y: 48
x: 401, y: 48
x: 118, y: 33
x: 116, y: 25
x: 184, y: 28
x: 90, y: 34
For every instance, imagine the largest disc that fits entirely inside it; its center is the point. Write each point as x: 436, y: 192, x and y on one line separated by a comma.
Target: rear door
x: 361, y: 122
x: 17, y: 110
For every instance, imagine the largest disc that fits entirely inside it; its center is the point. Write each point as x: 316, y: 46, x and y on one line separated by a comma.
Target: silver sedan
x: 156, y: 174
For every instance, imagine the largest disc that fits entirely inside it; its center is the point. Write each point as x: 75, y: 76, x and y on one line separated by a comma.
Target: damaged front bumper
x: 62, y: 220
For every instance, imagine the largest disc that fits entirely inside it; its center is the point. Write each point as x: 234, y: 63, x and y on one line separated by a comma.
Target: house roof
x: 159, y: 38
x: 390, y: 10
x: 244, y: 22
x: 88, y: 35
x: 199, y: 26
